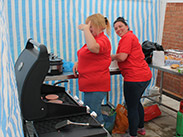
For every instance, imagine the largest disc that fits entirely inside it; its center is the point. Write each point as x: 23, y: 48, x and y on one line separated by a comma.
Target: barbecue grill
x: 49, y: 119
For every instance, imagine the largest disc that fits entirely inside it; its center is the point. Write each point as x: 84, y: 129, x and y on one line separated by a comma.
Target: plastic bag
x: 121, y: 122
x: 148, y: 47
x: 110, y: 120
x: 67, y: 66
x: 151, y: 112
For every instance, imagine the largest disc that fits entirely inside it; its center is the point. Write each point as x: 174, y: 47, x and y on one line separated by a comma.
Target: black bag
x: 148, y: 47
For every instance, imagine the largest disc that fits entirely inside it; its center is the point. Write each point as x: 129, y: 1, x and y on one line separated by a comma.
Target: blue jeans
x: 94, y: 101
x: 133, y: 92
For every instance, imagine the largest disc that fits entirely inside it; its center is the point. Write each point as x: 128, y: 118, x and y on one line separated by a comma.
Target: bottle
x: 179, y: 126
x: 181, y: 106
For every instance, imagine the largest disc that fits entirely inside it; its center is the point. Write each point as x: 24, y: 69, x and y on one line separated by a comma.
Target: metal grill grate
x: 48, y: 126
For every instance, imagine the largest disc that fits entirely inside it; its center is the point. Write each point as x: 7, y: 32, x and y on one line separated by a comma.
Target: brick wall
x: 173, y: 39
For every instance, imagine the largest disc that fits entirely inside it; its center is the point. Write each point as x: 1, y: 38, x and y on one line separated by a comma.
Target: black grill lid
x: 31, y: 68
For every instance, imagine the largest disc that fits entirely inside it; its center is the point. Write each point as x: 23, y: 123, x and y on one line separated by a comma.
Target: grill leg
x: 25, y: 130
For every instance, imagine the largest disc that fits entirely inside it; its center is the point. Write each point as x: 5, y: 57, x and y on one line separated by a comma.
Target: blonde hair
x: 100, y: 22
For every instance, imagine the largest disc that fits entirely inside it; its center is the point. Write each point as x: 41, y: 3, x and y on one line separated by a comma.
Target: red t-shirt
x: 134, y: 68
x: 93, y: 68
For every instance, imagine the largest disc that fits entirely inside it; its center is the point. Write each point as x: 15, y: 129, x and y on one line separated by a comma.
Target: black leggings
x: 133, y: 92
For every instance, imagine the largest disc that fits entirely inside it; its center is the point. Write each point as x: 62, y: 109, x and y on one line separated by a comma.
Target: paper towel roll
x: 158, y: 58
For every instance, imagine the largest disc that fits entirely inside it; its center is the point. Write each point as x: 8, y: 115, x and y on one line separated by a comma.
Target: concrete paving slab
x: 151, y: 130
x: 164, y: 125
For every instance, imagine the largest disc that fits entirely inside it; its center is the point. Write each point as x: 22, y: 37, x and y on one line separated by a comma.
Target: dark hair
x: 106, y: 20
x: 120, y: 19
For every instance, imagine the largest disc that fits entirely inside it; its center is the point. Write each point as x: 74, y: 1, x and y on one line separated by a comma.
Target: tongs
x: 64, y: 123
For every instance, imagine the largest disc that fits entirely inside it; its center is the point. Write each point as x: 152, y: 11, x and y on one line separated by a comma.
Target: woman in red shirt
x: 93, y: 63
x: 136, y: 73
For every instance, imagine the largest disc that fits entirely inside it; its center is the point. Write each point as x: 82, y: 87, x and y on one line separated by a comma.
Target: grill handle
x: 31, y: 44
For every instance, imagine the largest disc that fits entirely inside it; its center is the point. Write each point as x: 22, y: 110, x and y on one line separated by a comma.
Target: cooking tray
x: 67, y: 108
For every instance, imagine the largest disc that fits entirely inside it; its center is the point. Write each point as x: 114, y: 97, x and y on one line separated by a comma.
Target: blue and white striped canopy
x: 10, y: 119
x: 55, y: 24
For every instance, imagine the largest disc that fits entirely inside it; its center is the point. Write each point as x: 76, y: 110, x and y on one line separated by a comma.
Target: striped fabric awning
x: 54, y: 23
x: 10, y: 115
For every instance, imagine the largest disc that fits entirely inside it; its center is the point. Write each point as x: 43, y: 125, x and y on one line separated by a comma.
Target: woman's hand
x: 84, y: 26
x: 113, y: 57
x: 120, y: 57
x: 75, y: 68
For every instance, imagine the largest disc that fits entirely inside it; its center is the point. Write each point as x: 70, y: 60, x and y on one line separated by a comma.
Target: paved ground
x: 164, y: 125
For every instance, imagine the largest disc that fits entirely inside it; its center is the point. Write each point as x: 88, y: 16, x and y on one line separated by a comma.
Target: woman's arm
x: 120, y: 57
x: 92, y: 45
x: 75, y: 68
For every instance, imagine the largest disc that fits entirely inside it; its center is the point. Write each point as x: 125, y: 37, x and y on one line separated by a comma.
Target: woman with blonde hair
x: 93, y: 63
